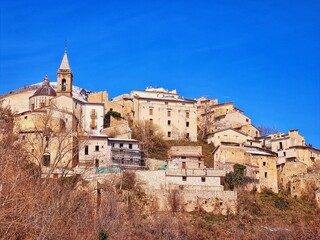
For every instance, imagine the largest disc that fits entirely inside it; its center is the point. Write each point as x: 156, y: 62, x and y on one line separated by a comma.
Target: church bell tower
x: 64, y: 77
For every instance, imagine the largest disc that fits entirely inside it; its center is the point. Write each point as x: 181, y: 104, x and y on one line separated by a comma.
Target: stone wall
x: 210, y: 198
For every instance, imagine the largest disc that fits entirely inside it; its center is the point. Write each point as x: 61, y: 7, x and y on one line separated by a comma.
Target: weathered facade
x: 175, y: 116
x: 260, y: 164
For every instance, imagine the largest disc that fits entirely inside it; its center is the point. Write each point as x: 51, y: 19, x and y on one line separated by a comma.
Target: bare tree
x: 265, y: 130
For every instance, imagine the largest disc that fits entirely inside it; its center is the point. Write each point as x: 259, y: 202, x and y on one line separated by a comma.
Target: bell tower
x: 64, y: 77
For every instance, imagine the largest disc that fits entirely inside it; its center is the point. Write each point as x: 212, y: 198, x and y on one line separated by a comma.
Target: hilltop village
x: 70, y: 131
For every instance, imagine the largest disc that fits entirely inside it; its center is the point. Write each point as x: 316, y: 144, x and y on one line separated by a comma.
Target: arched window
x: 64, y: 85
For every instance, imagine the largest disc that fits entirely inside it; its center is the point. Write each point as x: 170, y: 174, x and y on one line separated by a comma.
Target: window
x: 96, y: 162
x: 169, y: 122
x: 169, y: 134
x: 184, y: 178
x: 150, y: 111
x: 86, y: 150
x: 265, y: 174
x: 97, y: 148
x: 187, y: 124
x: 184, y: 165
x: 264, y: 163
x: 284, y: 154
x: 187, y: 135
x: 187, y: 114
x: 151, y: 121
x: 166, y: 103
x: 46, y: 160
x: 93, y: 113
x: 169, y: 113
x: 121, y: 145
x: 64, y: 85
x: 280, y: 145
x: 247, y: 120
x: 112, y: 144
x: 203, y: 179
x: 130, y: 145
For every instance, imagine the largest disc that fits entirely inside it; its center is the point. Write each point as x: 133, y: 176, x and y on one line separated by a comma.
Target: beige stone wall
x: 93, y: 117
x: 250, y: 130
x: 19, y: 102
x: 115, y: 107
x: 179, y: 163
x: 100, y: 154
x: 181, y: 120
x: 228, y: 135
x: 291, y: 169
x: 118, y: 131
x: 231, y: 155
x: 154, y: 164
x: 195, y: 151
x: 259, y: 166
x: 236, y: 118
x: 268, y: 176
x: 192, y: 197
x: 301, y: 184
x: 98, y: 97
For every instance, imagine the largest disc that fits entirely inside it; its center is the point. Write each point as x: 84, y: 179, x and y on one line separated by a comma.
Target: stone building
x: 213, y: 117
x: 176, y: 116
x: 227, y: 135
x: 186, y: 169
x: 54, y: 120
x: 260, y: 164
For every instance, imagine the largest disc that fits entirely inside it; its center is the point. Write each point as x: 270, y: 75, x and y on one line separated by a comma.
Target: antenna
x: 65, y: 45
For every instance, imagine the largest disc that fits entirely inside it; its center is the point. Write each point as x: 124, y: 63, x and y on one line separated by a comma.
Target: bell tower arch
x: 64, y: 77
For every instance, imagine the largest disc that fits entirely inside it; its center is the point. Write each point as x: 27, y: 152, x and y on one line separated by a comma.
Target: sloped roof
x: 65, y: 62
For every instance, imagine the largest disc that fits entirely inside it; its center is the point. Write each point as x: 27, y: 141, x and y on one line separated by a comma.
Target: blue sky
x: 262, y: 55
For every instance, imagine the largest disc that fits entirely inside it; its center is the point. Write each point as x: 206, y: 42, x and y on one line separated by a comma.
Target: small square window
x: 203, y: 179
x: 121, y: 145
x: 187, y: 124
x: 97, y: 148
x: 169, y: 134
x: 130, y: 145
x: 264, y: 163
x: 169, y: 113
x: 184, y: 178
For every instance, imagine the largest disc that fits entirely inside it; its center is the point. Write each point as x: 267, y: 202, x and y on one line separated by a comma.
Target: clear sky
x: 262, y: 55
